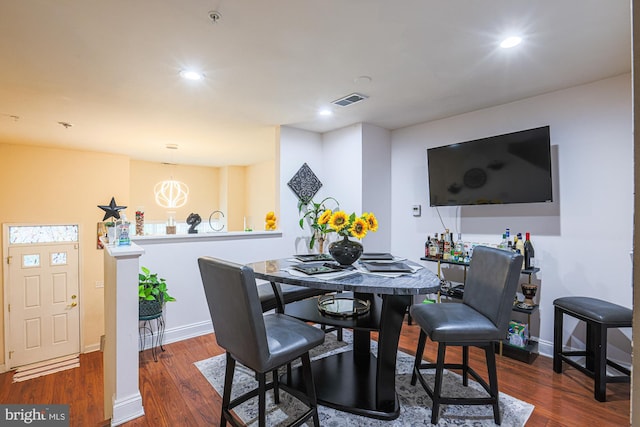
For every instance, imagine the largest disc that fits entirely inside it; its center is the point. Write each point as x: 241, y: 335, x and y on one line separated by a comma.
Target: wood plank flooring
x: 176, y: 394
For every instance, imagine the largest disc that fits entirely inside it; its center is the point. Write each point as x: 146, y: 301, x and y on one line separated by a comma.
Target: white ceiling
x: 110, y: 67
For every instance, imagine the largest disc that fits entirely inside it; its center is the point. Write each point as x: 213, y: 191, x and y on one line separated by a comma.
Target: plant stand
x: 157, y: 337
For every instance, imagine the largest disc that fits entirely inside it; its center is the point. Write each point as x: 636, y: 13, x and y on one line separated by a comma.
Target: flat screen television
x: 509, y: 168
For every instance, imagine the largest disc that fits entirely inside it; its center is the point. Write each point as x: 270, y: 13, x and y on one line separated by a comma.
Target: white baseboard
x: 91, y: 347
x: 183, y: 332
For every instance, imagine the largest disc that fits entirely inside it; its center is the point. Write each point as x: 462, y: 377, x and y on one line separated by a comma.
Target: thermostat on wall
x: 416, y: 210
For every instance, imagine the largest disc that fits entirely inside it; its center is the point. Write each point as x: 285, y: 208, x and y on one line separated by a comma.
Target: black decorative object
x: 345, y: 251
x: 111, y: 210
x: 193, y: 220
x: 305, y: 184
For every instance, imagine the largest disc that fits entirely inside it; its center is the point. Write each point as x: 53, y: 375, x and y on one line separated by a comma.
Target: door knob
x: 74, y: 296
x: 73, y: 304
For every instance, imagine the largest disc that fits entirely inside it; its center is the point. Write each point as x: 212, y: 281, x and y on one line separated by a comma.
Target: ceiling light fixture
x: 171, y: 193
x: 191, y: 75
x: 510, y: 42
x: 325, y: 112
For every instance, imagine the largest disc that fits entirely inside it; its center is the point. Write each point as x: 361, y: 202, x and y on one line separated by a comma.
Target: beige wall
x: 232, y: 180
x: 47, y: 185
x: 51, y: 185
x: 260, y: 193
x: 203, y: 182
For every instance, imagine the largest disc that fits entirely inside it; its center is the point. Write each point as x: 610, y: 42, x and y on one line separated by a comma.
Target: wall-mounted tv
x: 509, y: 168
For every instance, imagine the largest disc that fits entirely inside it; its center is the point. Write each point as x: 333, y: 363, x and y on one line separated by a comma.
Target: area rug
x: 415, y: 404
x: 40, y: 369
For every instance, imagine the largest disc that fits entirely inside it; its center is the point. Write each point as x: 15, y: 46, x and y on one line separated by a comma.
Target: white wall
x: 582, y: 240
x: 376, y: 184
x: 342, y: 153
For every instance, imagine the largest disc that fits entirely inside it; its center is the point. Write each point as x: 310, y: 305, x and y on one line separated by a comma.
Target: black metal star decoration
x: 111, y: 210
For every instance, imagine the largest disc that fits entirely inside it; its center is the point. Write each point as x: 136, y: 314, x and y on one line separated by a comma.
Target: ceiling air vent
x: 349, y: 99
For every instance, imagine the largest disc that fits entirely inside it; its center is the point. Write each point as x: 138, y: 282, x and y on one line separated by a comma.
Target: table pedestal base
x: 345, y: 385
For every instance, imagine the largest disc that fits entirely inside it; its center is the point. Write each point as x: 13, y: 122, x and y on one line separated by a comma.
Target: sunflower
x: 372, y: 221
x: 338, y: 220
x: 359, y: 228
x: 325, y: 217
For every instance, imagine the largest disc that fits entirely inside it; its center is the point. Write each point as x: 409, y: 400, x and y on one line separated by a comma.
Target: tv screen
x: 509, y: 168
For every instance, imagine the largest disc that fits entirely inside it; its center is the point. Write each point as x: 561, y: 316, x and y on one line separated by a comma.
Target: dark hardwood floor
x: 176, y: 394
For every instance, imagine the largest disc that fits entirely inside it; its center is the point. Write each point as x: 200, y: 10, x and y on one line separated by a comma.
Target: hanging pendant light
x: 171, y: 193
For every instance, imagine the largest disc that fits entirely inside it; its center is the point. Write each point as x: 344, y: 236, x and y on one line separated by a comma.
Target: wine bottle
x: 433, y: 249
x: 528, y: 251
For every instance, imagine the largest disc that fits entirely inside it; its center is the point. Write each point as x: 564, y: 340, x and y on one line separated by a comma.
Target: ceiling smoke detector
x: 349, y: 99
x: 214, y: 16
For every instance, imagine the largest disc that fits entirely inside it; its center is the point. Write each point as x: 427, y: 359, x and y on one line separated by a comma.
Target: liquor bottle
x: 528, y: 251
x: 441, y: 246
x: 503, y: 243
x: 458, y: 253
x: 446, y: 247
x: 427, y: 245
x: 434, y: 250
x: 520, y: 247
x: 507, y: 232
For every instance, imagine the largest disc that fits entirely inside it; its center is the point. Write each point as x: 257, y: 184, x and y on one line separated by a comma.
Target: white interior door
x: 43, y: 302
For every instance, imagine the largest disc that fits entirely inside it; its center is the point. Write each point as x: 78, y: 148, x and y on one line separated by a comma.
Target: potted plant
x: 312, y: 212
x: 152, y: 293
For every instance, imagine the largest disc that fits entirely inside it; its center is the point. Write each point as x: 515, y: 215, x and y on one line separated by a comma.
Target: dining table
x: 357, y: 380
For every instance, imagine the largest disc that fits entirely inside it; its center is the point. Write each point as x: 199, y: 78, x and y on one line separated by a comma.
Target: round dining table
x: 355, y: 381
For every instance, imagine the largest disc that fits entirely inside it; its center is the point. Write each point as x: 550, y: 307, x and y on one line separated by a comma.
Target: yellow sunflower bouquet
x: 348, y: 225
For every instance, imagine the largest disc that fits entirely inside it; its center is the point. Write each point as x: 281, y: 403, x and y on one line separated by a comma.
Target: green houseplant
x: 152, y: 293
x: 311, y: 215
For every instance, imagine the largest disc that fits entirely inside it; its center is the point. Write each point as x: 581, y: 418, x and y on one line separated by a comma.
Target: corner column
x: 122, y: 398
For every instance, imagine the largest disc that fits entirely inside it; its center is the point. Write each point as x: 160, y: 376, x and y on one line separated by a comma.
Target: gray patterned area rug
x: 415, y: 404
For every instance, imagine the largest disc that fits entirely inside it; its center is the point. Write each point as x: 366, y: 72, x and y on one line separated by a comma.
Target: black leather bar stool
x: 599, y: 316
x: 481, y: 320
x: 260, y: 342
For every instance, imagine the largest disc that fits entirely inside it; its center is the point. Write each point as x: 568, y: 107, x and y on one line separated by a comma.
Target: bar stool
x: 599, y: 316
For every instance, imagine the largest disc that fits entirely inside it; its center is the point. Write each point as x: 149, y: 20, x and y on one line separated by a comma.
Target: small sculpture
x: 193, y: 220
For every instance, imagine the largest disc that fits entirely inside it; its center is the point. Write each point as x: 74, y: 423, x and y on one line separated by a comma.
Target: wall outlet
x: 99, y: 284
x: 417, y: 210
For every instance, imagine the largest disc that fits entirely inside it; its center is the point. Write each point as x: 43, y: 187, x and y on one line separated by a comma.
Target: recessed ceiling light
x: 510, y: 42
x: 325, y: 112
x: 191, y: 75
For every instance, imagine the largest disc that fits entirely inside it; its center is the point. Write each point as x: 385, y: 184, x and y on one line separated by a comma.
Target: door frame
x: 5, y: 285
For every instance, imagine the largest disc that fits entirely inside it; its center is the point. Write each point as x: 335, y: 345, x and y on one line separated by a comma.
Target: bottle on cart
x: 433, y: 249
x: 458, y: 252
x: 528, y: 251
x: 507, y: 232
x: 520, y: 246
x: 446, y: 247
x: 427, y: 245
x: 503, y: 243
x: 441, y: 246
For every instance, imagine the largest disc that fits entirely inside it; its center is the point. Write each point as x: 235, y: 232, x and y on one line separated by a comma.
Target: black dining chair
x: 260, y: 342
x: 481, y: 320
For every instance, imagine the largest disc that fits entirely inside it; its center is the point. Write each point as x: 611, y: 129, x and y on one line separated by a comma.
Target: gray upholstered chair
x: 260, y: 342
x: 481, y: 320
x: 290, y: 293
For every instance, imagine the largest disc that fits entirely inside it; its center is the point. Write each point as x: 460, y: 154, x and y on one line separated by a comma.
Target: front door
x: 43, y: 302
